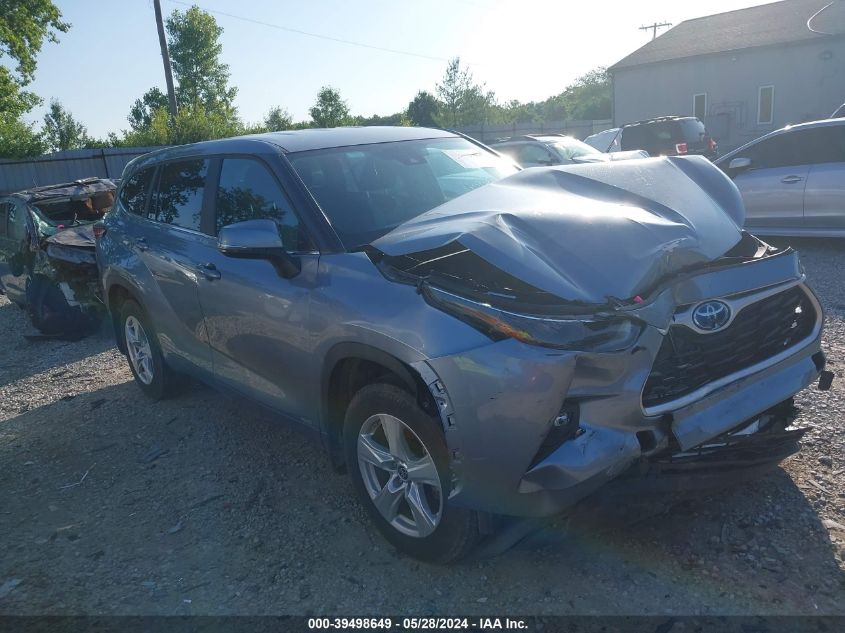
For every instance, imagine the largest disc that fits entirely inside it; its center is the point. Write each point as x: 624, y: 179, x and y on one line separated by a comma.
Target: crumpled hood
x: 590, y: 232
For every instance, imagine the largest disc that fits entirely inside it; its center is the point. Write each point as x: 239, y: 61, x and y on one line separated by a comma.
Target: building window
x: 699, y: 106
x: 765, y: 105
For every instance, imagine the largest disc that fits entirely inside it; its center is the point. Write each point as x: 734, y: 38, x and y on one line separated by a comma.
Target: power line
x: 317, y: 35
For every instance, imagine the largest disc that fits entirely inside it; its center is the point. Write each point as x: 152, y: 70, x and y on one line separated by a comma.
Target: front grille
x: 688, y: 360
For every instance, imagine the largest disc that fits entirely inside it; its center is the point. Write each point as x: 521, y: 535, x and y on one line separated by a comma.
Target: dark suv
x: 667, y: 136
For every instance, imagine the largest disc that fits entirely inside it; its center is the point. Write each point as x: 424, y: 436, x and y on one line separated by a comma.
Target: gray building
x: 744, y: 73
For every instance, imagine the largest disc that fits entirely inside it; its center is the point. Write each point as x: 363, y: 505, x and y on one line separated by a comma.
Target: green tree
x: 19, y: 139
x: 24, y: 27
x: 277, y: 119
x: 192, y: 124
x: 61, y: 130
x: 396, y: 118
x: 194, y: 41
x: 330, y: 110
x: 423, y: 109
x: 462, y: 100
x: 456, y: 82
x: 589, y: 96
x: 141, y: 114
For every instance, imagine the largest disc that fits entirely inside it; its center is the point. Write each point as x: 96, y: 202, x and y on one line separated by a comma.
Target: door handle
x: 209, y: 271
x: 141, y: 244
x: 791, y: 180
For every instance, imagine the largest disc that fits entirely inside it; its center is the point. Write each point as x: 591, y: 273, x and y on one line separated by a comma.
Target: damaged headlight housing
x: 590, y: 333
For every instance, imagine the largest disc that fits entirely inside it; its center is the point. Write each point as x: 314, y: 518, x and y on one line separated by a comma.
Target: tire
x: 146, y: 361
x: 412, y: 476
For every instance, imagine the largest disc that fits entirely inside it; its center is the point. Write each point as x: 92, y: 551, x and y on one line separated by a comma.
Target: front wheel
x: 398, y: 461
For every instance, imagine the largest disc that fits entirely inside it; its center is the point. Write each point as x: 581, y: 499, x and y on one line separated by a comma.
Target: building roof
x: 784, y: 22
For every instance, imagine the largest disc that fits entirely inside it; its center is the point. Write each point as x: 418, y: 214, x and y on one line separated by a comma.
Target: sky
x: 521, y: 49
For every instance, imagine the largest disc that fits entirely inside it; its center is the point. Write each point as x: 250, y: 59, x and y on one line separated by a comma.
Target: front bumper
x: 499, y: 402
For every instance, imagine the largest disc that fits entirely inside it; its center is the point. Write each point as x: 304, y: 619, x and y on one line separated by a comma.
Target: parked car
x: 555, y: 149
x: 468, y: 340
x: 661, y: 136
x: 793, y: 180
x: 47, y: 261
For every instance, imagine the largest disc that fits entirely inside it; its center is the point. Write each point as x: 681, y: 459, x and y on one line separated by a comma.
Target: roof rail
x: 655, y: 119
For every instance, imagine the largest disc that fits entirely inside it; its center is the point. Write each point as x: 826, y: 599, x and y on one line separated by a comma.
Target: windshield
x: 367, y: 190
x: 571, y: 148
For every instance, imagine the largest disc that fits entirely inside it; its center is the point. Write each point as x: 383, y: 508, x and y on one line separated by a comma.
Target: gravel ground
x: 206, y: 505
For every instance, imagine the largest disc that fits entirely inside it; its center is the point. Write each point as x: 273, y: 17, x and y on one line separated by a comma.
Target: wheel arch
x: 346, y: 369
x: 117, y: 293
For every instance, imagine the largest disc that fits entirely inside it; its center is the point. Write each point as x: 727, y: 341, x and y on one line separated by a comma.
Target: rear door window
x: 135, y: 191
x: 637, y: 137
x: 249, y: 191
x: 181, y: 188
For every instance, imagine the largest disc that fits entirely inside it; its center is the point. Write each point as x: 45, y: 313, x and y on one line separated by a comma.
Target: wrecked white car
x: 47, y: 260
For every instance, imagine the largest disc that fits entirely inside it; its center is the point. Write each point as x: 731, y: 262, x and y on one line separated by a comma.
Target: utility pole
x: 650, y: 27
x: 165, y: 58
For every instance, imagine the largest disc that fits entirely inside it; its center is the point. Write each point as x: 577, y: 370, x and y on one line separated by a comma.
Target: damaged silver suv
x: 469, y: 341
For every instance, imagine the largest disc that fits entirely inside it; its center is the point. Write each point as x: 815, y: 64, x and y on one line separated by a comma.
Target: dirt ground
x: 207, y: 505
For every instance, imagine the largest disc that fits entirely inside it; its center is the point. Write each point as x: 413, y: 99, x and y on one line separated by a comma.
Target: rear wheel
x: 146, y: 361
x: 397, y: 458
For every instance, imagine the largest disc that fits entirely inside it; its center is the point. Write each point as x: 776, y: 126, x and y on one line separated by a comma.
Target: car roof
x: 312, y: 138
x: 291, y: 141
x: 77, y: 189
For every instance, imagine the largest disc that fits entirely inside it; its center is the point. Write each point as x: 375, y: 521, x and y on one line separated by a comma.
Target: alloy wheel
x: 140, y: 353
x: 400, y: 475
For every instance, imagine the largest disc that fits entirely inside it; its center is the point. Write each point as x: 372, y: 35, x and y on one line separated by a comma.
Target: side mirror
x: 258, y: 239
x: 739, y: 164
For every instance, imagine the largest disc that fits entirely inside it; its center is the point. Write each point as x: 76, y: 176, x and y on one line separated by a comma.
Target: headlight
x: 595, y: 334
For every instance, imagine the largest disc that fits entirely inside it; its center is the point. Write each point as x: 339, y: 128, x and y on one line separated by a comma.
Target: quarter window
x: 765, y: 105
x: 133, y: 195
x: 181, y: 187
x: 248, y: 191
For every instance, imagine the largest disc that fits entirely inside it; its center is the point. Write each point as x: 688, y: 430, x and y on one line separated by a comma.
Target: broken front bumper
x: 501, y: 403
